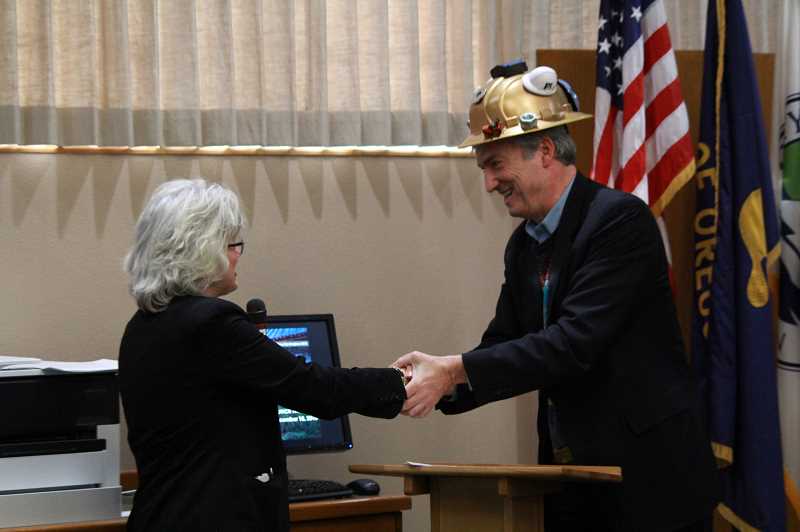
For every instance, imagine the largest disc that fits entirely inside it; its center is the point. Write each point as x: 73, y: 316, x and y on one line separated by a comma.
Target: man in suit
x: 585, y: 315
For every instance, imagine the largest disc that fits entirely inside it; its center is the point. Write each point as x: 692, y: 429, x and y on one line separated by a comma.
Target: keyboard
x: 311, y: 489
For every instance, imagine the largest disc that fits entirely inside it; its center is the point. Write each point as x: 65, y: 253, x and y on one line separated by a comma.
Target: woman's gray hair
x: 180, y: 246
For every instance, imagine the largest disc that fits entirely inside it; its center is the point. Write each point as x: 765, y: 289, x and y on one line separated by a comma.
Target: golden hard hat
x: 527, y: 102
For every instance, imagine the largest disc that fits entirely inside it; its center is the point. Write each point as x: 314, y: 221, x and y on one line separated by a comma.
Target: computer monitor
x: 312, y: 337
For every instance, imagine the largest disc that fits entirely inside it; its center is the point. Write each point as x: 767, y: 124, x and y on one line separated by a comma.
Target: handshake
x: 428, y: 379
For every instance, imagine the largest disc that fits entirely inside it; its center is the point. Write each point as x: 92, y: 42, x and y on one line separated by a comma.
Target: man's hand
x: 432, y: 378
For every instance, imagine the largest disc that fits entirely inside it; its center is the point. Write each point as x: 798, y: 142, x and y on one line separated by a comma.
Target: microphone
x: 257, y: 312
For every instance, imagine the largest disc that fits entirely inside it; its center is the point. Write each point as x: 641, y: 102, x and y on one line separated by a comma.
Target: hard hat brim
x: 542, y: 125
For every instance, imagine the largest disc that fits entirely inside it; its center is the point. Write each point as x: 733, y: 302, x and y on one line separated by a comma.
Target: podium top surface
x: 560, y: 472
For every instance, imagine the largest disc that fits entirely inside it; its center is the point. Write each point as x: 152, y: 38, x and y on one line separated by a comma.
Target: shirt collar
x: 545, y: 229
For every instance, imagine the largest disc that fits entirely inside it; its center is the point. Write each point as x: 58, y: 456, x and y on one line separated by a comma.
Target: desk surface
x: 298, y: 512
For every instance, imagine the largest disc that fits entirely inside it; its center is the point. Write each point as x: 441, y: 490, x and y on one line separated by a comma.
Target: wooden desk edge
x: 298, y: 512
x: 111, y: 525
x: 330, y: 508
x: 554, y: 472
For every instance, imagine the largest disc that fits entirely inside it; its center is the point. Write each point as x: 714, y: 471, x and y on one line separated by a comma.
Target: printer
x: 59, y: 446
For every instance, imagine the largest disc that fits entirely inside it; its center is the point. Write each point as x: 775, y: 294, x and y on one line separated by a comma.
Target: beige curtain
x: 280, y: 72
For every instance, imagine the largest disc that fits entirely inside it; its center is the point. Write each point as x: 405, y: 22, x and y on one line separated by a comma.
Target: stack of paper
x: 9, y: 361
x: 50, y: 366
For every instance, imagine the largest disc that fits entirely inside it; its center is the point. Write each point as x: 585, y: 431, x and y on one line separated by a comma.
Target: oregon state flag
x: 736, y: 239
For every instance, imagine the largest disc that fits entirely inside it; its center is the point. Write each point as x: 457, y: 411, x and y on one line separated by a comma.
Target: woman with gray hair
x: 200, y: 384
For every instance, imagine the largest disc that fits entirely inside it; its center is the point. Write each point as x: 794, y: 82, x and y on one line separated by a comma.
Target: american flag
x: 641, y: 130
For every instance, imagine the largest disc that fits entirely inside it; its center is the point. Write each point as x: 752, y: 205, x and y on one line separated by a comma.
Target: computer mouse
x: 364, y: 486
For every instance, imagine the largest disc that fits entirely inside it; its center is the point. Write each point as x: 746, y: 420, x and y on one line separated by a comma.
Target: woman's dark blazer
x: 611, y: 358
x: 200, y: 386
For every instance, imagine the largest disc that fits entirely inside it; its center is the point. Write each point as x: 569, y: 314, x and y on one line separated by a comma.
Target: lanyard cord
x: 544, y: 283
x: 544, y: 272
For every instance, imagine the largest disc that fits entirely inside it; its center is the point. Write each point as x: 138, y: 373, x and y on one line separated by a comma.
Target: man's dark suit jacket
x: 200, y: 386
x: 611, y: 358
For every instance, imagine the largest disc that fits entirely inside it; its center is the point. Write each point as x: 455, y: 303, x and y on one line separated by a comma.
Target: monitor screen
x: 312, y: 337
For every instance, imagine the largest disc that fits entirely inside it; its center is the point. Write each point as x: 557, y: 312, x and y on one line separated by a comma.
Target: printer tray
x: 56, y: 405
x: 38, y: 448
x: 60, y: 506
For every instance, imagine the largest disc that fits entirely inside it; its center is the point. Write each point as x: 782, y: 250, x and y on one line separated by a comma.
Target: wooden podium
x: 481, y: 497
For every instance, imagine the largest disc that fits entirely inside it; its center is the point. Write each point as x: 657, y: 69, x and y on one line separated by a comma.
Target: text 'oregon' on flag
x: 736, y: 240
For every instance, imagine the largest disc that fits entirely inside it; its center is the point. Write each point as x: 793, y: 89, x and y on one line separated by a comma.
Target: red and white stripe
x: 644, y: 146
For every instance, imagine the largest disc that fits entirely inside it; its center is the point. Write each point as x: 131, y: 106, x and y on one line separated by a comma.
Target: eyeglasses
x: 238, y: 246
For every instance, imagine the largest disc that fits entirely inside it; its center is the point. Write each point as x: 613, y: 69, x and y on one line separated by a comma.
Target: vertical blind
x: 280, y: 72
